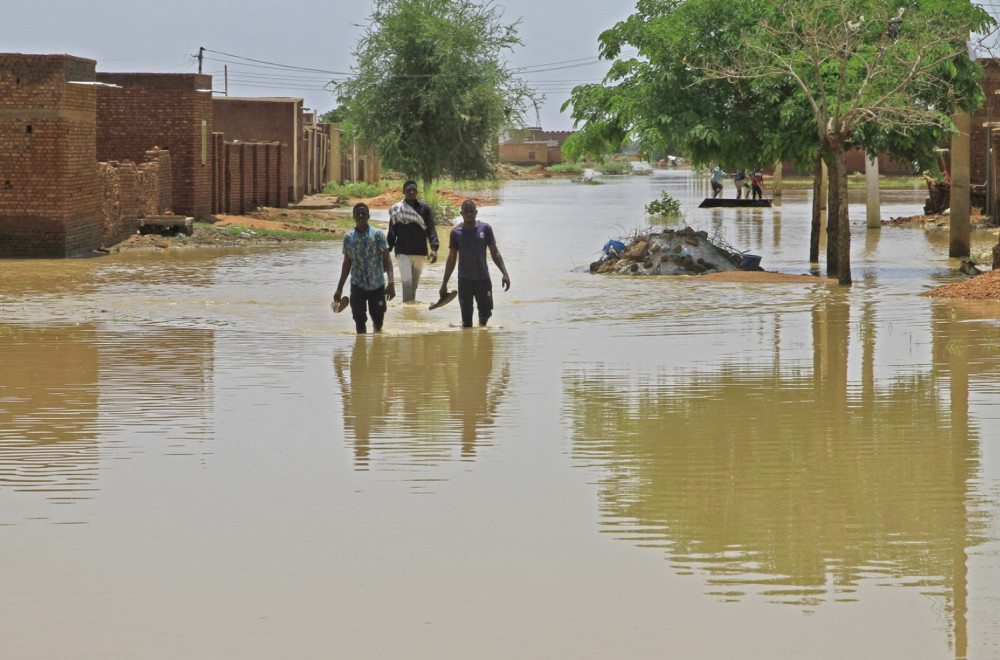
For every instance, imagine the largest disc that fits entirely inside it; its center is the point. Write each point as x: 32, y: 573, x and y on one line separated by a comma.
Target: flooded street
x: 199, y: 460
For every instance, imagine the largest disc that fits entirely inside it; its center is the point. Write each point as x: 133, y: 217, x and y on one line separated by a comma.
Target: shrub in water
x: 665, y: 205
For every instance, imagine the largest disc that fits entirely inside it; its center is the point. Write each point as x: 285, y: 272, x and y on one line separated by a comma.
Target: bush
x: 359, y: 189
x: 614, y: 167
x: 444, y: 212
x: 665, y: 205
x: 566, y: 168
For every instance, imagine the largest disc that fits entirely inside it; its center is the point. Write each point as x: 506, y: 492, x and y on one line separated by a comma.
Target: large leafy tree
x: 656, y: 97
x: 430, y: 88
x: 805, y: 76
x: 882, y: 75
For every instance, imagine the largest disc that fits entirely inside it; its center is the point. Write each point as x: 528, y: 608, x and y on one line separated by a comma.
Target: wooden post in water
x: 776, y: 183
x: 960, y: 233
x: 871, y: 186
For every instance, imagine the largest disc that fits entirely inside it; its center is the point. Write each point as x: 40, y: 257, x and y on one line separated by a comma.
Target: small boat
x: 719, y: 202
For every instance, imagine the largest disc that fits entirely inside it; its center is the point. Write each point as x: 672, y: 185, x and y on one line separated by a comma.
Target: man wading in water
x: 366, y: 256
x: 467, y: 245
x: 411, y: 227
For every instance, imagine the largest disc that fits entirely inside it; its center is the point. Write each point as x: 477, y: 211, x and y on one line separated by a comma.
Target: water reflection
x: 420, y: 400
x: 48, y: 410
x: 792, y: 481
x: 64, y: 387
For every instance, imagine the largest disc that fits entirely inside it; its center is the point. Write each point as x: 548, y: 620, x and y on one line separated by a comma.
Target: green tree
x: 334, y: 116
x: 881, y: 75
x: 732, y: 80
x: 657, y: 99
x: 430, y: 87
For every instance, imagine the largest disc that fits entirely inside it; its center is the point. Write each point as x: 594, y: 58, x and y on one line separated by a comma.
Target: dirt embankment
x: 318, y: 215
x: 981, y: 287
x: 939, y: 222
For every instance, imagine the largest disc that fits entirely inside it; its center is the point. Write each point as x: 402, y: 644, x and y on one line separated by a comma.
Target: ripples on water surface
x: 197, y: 459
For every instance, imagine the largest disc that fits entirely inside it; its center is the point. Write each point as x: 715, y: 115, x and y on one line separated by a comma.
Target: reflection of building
x: 65, y: 389
x: 417, y: 400
x: 795, y: 484
x: 48, y: 409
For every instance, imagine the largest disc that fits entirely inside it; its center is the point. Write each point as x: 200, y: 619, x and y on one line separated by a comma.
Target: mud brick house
x: 50, y: 192
x: 274, y: 121
x: 533, y: 146
x: 140, y: 111
x: 316, y: 155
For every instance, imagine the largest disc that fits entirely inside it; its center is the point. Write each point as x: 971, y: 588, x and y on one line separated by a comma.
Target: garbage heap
x: 681, y: 252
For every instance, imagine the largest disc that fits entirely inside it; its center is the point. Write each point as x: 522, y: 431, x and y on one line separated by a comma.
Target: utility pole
x: 201, y: 56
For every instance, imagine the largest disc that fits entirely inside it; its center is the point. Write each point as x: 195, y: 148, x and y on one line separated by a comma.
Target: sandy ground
x: 764, y: 277
x: 981, y: 287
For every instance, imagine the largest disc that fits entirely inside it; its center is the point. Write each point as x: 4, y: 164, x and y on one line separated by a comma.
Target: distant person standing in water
x: 366, y: 257
x: 411, y: 228
x: 740, y: 181
x: 757, y: 183
x: 716, y: 181
x: 467, y: 244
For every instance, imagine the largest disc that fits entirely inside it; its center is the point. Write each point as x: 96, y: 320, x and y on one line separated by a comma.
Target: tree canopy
x: 736, y: 81
x: 430, y: 88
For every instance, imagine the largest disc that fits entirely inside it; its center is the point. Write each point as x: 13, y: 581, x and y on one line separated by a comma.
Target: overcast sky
x: 287, y: 37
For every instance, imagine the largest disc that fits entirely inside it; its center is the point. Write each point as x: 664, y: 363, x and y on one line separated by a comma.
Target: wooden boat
x: 718, y: 202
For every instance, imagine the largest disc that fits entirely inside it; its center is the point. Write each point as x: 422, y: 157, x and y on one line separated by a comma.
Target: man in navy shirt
x: 467, y: 244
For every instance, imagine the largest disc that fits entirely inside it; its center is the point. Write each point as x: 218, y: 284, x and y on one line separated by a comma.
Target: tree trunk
x: 817, y: 209
x: 841, y: 214
x: 832, y: 215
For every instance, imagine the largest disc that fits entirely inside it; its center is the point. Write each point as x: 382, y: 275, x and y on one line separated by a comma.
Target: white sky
x: 163, y: 36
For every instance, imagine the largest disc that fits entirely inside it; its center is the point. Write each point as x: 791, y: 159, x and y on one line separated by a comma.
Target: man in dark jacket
x: 411, y: 228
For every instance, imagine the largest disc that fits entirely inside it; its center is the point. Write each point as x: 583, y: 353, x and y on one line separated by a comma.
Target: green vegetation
x: 608, y: 166
x: 566, y: 168
x: 359, y: 189
x: 443, y: 210
x: 666, y: 205
x: 799, y: 80
x: 431, y: 89
x: 449, y: 184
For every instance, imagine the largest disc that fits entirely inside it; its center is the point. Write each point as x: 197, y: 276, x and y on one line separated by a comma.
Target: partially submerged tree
x: 431, y: 89
x: 876, y: 74
x: 739, y: 80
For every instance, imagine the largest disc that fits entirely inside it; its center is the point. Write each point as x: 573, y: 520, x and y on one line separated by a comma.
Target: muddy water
x: 197, y: 459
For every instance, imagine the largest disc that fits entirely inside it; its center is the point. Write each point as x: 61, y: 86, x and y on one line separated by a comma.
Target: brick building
x: 50, y: 192
x: 140, y: 111
x: 533, y: 146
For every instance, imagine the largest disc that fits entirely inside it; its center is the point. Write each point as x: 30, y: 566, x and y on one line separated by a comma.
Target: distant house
x: 532, y: 146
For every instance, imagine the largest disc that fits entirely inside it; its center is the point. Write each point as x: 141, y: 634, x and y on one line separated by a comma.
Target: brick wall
x: 132, y: 191
x: 247, y: 175
x: 167, y: 111
x: 50, y: 193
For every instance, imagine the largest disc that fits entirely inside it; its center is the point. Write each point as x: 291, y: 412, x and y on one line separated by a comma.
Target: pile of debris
x: 681, y: 252
x: 939, y: 196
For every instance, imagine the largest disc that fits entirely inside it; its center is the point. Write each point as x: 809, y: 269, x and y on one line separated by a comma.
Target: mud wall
x: 139, y: 111
x: 247, y: 175
x: 50, y: 197
x: 132, y: 191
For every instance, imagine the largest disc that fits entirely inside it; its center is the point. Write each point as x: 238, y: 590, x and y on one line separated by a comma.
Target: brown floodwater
x: 199, y: 460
